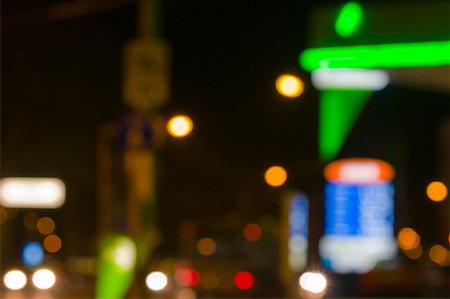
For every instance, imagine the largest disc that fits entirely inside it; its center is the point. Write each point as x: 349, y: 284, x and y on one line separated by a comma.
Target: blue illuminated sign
x: 362, y: 210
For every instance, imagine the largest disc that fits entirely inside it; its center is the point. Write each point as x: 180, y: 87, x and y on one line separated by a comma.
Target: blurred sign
x: 298, y: 232
x: 146, y: 74
x: 359, y: 215
x: 43, y: 193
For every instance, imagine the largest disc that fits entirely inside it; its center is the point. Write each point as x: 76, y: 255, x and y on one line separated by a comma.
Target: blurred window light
x: 156, y: 281
x: 438, y: 254
x: 349, y: 19
x: 46, y: 225
x: 52, y: 243
x: 313, y: 282
x: 32, y: 254
x: 244, y: 280
x: 289, y: 86
x: 437, y: 191
x: 206, y: 246
x: 187, y: 277
x: 252, y: 232
x: 30, y: 220
x: 414, y: 253
x: 15, y: 280
x: 377, y: 56
x: 408, y: 239
x: 44, y: 279
x: 350, y: 79
x: 179, y: 126
x: 275, y: 176
x: 44, y: 193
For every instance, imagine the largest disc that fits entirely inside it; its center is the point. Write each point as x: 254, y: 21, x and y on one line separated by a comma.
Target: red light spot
x: 244, y: 280
x: 187, y: 277
x: 252, y: 232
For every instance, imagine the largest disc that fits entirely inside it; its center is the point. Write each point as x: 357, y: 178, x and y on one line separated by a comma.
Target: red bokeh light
x: 244, y: 280
x: 252, y: 232
x: 187, y: 277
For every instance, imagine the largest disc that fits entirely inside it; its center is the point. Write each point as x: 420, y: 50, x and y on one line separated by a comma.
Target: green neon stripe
x: 349, y: 19
x: 338, y: 112
x: 378, y: 56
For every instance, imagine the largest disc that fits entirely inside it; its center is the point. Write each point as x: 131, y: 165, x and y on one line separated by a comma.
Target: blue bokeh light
x: 32, y: 254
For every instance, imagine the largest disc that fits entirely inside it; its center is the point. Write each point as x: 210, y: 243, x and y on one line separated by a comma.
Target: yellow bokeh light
x: 437, y: 191
x: 206, y: 246
x: 289, y: 86
x: 46, y: 225
x: 438, y: 254
x: 408, y: 239
x: 414, y: 253
x: 179, y: 126
x: 275, y: 176
x: 52, y: 243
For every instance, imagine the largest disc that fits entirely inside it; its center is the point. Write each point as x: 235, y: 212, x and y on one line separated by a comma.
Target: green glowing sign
x: 378, y: 56
x: 349, y: 19
x: 116, y: 263
x: 339, y: 110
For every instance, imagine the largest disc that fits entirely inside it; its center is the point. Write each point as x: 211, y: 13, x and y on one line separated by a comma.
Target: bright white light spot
x: 313, y: 282
x: 156, y: 281
x: 32, y: 192
x: 15, y: 280
x: 124, y: 255
x: 44, y: 279
x: 350, y: 78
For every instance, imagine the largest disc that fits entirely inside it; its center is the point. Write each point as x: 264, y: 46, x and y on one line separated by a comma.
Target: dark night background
x: 61, y: 81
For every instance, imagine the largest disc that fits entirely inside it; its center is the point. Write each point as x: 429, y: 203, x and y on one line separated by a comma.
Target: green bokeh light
x: 378, y: 56
x: 116, y: 264
x: 349, y: 19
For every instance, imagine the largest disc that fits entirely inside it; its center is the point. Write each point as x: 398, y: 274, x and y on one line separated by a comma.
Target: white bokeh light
x: 44, y: 279
x: 15, y: 280
x: 313, y: 282
x: 156, y: 281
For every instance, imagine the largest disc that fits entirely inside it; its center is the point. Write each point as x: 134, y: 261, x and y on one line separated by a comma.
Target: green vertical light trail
x: 349, y: 19
x: 339, y: 110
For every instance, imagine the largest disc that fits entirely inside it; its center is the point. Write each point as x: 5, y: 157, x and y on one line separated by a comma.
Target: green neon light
x: 378, y: 56
x: 349, y: 19
x: 339, y: 110
x: 116, y: 264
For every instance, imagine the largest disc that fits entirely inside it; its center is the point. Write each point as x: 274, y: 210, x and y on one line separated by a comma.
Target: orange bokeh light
x: 252, y: 232
x: 437, y: 191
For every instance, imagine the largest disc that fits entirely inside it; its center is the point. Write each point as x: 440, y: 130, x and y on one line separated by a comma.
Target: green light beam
x: 378, y: 56
x: 339, y: 110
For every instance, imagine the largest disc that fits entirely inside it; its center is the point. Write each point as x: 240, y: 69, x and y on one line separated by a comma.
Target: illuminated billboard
x: 359, y: 215
x: 42, y: 193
